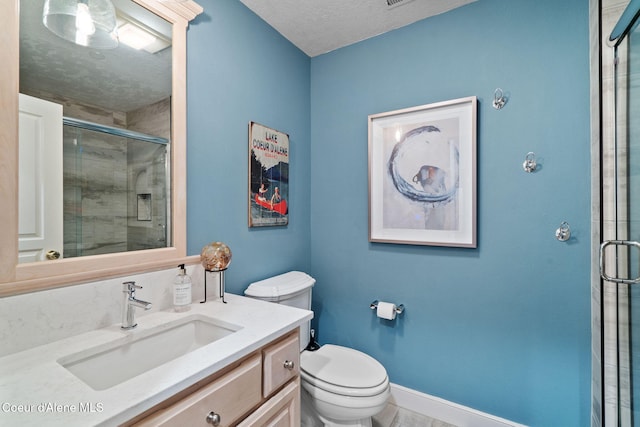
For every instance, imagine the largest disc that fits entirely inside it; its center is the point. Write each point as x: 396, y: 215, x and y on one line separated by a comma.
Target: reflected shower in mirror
x: 115, y: 190
x: 115, y: 105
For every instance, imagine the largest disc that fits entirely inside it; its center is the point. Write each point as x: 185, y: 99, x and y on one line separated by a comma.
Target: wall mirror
x: 120, y: 112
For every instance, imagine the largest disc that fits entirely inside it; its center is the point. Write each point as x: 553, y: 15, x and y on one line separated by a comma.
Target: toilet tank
x: 292, y: 289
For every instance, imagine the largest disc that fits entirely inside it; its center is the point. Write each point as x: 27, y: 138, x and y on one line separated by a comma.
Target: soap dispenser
x: 182, y: 290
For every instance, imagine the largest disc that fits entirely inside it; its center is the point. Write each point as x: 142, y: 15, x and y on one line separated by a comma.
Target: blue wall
x: 240, y: 70
x: 504, y: 328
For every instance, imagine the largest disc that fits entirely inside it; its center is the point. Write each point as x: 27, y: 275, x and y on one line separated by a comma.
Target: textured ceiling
x: 320, y: 26
x: 120, y: 79
x: 124, y: 79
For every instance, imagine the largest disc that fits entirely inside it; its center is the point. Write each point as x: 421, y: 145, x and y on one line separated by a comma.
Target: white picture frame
x: 422, y: 174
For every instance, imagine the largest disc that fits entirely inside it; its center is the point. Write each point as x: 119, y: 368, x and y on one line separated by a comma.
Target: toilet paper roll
x: 386, y: 310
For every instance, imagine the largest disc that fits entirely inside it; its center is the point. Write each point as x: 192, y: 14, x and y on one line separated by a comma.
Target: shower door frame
x: 611, y: 366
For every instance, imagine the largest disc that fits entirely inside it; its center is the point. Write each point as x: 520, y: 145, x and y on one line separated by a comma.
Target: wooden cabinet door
x: 281, y: 364
x: 229, y: 397
x: 282, y: 410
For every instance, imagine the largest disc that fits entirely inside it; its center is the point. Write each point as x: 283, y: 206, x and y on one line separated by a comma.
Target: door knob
x: 53, y: 255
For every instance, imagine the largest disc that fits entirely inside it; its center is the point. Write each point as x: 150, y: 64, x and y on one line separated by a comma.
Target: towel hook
x: 499, y: 99
x: 563, y: 233
x: 530, y: 163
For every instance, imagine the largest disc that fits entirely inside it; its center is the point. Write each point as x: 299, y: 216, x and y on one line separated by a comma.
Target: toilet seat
x: 343, y: 371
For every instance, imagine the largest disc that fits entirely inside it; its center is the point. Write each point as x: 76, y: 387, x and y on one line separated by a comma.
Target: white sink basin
x: 140, y: 351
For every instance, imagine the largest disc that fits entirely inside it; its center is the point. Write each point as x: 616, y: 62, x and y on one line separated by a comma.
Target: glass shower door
x: 620, y: 254
x: 633, y: 134
x: 116, y: 196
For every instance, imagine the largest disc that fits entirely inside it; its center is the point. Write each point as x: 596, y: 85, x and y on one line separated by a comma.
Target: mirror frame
x: 22, y: 278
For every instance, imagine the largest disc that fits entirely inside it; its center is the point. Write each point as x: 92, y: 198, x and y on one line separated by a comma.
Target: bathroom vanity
x: 217, y: 364
x: 244, y: 391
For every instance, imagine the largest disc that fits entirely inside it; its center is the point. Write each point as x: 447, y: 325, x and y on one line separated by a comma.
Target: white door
x: 40, y: 180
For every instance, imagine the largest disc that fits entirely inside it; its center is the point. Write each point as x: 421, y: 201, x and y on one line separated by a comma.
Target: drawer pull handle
x: 288, y: 364
x: 214, y: 418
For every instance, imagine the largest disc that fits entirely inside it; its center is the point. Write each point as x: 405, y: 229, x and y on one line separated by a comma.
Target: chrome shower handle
x: 603, y: 274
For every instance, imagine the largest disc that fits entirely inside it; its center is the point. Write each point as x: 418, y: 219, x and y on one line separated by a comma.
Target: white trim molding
x: 444, y: 410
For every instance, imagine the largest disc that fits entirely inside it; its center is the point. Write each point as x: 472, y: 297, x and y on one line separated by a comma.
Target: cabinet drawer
x: 282, y: 410
x: 229, y: 396
x: 281, y: 364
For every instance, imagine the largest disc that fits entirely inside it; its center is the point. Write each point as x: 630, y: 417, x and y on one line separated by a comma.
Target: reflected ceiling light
x: 139, y: 36
x: 134, y: 36
x: 90, y: 23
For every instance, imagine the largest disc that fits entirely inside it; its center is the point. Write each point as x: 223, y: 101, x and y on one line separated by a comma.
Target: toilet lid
x: 342, y: 367
x: 283, y: 285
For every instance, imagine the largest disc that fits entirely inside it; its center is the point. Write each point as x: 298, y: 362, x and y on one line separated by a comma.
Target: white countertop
x: 35, y: 390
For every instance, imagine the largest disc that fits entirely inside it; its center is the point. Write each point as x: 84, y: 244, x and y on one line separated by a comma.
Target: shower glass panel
x: 627, y: 255
x: 633, y: 134
x: 116, y: 186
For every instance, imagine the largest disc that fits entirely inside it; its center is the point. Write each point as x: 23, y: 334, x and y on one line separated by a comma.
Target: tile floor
x: 394, y: 416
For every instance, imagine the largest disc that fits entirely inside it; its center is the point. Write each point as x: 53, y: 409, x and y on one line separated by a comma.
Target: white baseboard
x: 444, y: 410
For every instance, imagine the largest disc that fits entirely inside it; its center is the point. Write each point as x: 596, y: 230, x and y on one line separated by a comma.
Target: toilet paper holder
x: 399, y: 308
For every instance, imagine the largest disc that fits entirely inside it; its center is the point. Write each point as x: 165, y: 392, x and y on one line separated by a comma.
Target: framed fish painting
x: 422, y: 174
x: 268, y: 176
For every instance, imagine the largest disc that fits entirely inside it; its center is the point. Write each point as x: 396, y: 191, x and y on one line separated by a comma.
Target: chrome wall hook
x: 563, y: 233
x: 530, y: 163
x: 499, y: 100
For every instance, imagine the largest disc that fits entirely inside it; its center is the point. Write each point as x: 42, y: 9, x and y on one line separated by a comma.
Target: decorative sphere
x: 215, y: 256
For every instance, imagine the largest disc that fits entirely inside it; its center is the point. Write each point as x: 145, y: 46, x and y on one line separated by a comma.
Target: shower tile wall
x: 147, y: 175
x: 154, y: 119
x: 102, y: 180
x: 95, y: 193
x: 79, y: 110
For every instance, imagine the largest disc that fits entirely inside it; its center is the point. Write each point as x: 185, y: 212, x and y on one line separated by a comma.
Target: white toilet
x: 340, y: 386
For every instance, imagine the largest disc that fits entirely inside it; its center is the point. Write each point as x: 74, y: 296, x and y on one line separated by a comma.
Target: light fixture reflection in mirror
x: 90, y: 23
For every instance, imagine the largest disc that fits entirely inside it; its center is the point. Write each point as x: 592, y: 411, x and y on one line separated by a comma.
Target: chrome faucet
x: 129, y: 303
